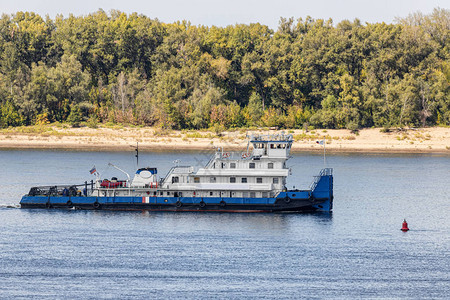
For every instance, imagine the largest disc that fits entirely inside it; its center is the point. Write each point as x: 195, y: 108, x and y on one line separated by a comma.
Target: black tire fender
x: 178, y: 203
x: 223, y: 203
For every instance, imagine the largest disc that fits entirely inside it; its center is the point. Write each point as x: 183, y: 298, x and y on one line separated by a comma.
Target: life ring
x: 245, y: 155
x: 287, y: 199
x: 202, y: 203
x: 226, y: 155
x: 178, y: 203
x: 223, y: 203
x: 69, y: 203
x: 96, y: 204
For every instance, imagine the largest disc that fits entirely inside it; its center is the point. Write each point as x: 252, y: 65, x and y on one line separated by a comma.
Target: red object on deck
x: 112, y: 185
x: 405, y: 226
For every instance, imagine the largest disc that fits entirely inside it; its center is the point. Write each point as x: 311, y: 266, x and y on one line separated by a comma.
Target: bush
x: 92, y: 122
x: 75, y: 116
x: 352, y: 126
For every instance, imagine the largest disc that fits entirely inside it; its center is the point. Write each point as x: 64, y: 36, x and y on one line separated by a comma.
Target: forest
x: 130, y: 69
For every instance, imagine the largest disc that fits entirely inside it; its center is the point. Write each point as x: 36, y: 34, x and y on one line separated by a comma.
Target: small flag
x: 93, y: 170
x: 320, y: 142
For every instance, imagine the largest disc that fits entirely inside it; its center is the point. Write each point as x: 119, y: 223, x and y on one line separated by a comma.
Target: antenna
x: 323, y: 143
x: 137, y: 154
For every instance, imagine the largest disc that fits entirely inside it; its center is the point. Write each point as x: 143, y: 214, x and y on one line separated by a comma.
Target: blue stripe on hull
x: 133, y: 200
x: 170, y: 203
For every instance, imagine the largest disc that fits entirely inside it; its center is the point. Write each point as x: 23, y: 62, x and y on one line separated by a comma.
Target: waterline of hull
x: 177, y: 204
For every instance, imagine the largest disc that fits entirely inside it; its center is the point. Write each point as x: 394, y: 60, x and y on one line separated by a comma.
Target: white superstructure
x: 259, y: 172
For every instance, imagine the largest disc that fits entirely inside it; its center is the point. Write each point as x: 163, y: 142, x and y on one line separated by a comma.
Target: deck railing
x: 323, y: 172
x: 61, y: 190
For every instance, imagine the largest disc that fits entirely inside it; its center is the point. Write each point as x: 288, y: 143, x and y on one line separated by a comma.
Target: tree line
x: 130, y: 69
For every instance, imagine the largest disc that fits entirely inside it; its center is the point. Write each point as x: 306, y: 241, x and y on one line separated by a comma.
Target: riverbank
x: 424, y: 140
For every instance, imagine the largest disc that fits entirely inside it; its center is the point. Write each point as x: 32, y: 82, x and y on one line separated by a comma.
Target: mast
x: 137, y: 154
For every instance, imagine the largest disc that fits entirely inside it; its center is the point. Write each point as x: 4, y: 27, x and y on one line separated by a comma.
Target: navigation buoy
x: 405, y: 226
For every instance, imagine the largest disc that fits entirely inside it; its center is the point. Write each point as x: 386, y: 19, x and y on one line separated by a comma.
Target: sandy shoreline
x: 426, y: 140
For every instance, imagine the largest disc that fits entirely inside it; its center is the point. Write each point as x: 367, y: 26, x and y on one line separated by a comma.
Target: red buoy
x: 405, y: 226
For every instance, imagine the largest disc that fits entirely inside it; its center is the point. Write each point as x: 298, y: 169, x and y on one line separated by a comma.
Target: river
x: 357, y: 251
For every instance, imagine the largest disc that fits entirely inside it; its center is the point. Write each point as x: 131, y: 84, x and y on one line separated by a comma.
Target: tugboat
x: 250, y: 181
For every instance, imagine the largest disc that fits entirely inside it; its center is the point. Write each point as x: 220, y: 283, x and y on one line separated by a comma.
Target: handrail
x: 56, y: 190
x: 323, y: 172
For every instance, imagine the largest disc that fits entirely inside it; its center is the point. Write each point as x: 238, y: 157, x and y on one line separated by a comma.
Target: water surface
x: 358, y: 251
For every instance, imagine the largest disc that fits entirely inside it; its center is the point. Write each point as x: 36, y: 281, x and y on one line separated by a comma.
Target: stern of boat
x: 322, y: 189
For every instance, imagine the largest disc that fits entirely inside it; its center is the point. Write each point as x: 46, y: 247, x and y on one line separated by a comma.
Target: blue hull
x: 320, y: 198
x: 177, y: 204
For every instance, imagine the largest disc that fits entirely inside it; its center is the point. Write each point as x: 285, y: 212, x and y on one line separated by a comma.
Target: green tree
x: 75, y: 117
x: 9, y: 115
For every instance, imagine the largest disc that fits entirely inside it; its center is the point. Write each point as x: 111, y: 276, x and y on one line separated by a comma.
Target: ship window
x: 168, y: 193
x: 245, y: 194
x: 251, y: 165
x: 196, y: 179
x: 161, y: 193
x: 154, y: 193
x: 272, y: 146
x: 211, y: 193
x: 232, y: 165
x: 275, y: 180
x: 270, y: 165
x: 224, y: 165
x: 175, y: 179
x: 252, y: 194
x: 244, y: 180
x: 259, y: 180
x: 212, y: 179
x: 264, y: 194
x: 232, y: 179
